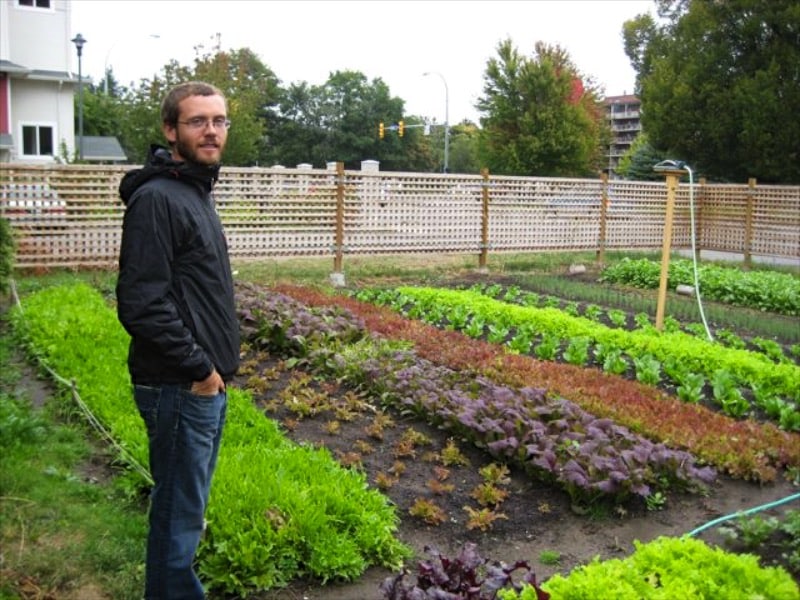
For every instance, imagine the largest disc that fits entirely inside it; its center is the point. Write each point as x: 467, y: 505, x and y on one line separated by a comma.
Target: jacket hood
x: 160, y: 163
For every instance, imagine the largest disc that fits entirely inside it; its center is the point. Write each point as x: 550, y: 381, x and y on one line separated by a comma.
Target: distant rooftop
x: 624, y: 99
x: 103, y: 149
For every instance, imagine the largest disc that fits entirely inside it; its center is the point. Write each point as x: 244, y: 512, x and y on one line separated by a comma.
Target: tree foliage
x: 338, y: 122
x: 464, y: 140
x: 637, y: 163
x: 640, y: 36
x: 720, y: 85
x: 271, y: 125
x: 349, y: 109
x: 251, y: 89
x: 538, y: 115
x: 7, y: 252
x: 296, y: 128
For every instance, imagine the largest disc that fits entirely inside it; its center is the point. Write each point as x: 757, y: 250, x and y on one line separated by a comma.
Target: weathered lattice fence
x: 751, y: 219
x: 71, y: 215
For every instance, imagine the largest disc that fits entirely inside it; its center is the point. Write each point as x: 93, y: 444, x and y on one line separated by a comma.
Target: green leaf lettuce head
x: 668, y: 568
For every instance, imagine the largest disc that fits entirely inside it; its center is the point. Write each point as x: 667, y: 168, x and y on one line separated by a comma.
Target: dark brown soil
x: 536, y: 517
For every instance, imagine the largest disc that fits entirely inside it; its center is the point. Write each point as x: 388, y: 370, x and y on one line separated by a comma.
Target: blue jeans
x: 184, y: 432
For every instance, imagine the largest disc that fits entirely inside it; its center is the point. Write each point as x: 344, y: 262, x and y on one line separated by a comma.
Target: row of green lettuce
x: 278, y: 511
x: 550, y: 438
x: 668, y: 569
x: 331, y: 342
x: 663, y: 569
x: 688, y: 360
x: 765, y: 290
x: 620, y: 319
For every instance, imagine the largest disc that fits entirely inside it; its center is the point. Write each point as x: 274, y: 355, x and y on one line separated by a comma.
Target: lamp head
x: 670, y: 166
x: 79, y: 41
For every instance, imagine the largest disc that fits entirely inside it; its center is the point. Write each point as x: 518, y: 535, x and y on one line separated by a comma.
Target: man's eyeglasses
x: 203, y: 122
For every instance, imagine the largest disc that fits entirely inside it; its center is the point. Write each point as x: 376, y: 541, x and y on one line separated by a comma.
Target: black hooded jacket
x: 175, y: 286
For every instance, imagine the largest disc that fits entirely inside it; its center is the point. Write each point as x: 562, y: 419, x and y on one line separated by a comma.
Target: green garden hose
x: 744, y: 513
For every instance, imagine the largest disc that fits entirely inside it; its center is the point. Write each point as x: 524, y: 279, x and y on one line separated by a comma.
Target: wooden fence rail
x: 71, y: 215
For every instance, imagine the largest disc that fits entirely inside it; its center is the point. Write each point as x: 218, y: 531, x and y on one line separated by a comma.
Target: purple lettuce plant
x: 466, y: 576
x: 551, y: 438
x: 280, y: 323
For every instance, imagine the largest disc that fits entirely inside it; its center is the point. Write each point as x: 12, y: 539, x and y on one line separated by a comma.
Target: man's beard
x: 189, y: 154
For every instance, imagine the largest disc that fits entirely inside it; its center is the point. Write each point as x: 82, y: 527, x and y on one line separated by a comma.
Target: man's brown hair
x: 170, y: 111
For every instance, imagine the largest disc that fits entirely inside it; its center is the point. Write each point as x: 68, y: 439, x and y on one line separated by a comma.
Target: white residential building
x: 38, y: 81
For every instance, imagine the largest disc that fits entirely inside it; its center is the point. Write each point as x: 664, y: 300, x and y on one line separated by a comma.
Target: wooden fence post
x: 338, y: 242
x: 748, y: 222
x: 601, y: 249
x: 484, y: 220
x: 673, y: 176
x: 263, y: 217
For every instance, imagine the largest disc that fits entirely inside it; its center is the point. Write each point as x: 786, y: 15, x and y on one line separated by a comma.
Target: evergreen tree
x: 637, y: 163
x: 720, y: 85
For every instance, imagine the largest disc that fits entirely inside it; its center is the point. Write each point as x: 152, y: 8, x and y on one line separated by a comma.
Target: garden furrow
x: 744, y: 449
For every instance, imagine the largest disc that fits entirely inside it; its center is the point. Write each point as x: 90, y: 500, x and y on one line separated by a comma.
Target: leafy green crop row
x: 764, y: 290
x: 619, y: 318
x: 692, y: 354
x: 683, y: 308
x: 277, y: 510
x: 551, y: 438
x: 691, y: 386
x: 666, y: 569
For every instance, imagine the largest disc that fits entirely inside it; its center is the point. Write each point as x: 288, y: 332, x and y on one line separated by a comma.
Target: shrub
x: 7, y: 248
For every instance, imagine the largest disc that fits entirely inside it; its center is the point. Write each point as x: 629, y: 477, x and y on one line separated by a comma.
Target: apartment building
x: 37, y: 81
x: 622, y: 113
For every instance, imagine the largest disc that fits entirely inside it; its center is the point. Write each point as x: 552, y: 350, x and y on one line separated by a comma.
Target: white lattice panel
x: 71, y: 215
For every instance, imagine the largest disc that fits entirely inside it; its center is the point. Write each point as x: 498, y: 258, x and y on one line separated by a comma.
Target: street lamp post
x: 79, y: 41
x: 446, y: 119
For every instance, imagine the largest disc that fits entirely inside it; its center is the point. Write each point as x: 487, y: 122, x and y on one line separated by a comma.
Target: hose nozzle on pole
x: 673, y: 169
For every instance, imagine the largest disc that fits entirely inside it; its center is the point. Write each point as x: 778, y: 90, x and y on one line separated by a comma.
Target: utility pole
x: 446, y: 119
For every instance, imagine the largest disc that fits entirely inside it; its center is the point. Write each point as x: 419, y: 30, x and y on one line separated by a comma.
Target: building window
x: 35, y: 3
x: 37, y: 140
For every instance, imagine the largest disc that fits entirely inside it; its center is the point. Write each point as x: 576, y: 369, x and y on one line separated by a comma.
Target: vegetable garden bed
x: 477, y: 438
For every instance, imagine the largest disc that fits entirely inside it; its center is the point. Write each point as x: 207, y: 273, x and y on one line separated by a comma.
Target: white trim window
x: 41, y: 4
x: 38, y: 140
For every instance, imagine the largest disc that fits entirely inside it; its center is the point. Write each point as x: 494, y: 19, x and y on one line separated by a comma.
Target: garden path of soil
x: 539, y: 516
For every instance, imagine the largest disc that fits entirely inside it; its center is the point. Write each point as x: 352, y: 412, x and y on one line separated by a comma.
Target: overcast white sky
x: 395, y: 40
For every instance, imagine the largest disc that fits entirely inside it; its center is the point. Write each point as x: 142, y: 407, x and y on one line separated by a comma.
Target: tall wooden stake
x: 672, y: 186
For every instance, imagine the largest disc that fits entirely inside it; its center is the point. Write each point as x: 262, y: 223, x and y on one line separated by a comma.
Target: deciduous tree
x: 539, y: 115
x: 338, y: 122
x: 251, y: 89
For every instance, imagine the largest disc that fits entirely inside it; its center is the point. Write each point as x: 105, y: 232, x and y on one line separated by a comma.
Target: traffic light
x: 380, y: 130
x: 400, y: 128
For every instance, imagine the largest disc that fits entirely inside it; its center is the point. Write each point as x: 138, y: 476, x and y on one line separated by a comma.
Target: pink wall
x: 4, y: 103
